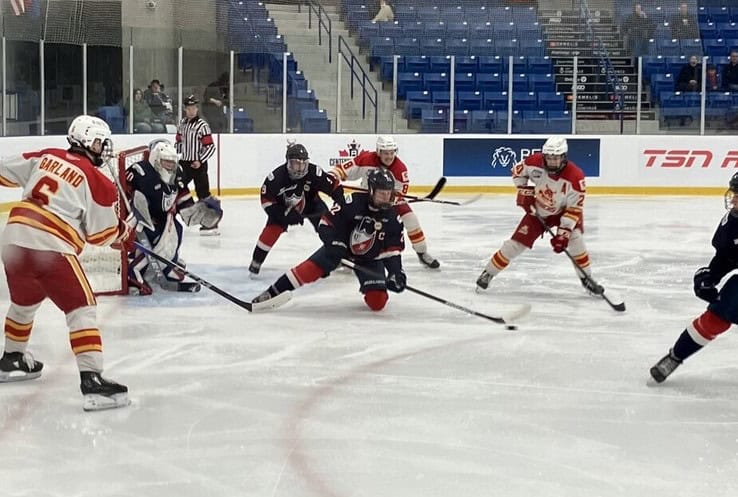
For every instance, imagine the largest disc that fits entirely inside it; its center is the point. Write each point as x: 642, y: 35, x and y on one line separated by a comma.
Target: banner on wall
x: 495, y: 156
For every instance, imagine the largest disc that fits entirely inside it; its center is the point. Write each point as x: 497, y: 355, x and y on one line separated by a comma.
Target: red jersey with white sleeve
x: 359, y: 167
x: 561, y: 193
x: 66, y: 202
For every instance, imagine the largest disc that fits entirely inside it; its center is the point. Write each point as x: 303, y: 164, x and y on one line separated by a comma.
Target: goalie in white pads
x: 158, y: 193
x: 66, y: 203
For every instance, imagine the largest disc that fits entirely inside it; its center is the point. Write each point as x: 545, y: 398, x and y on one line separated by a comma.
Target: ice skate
x: 254, y: 269
x: 483, y: 281
x: 18, y: 366
x: 666, y: 365
x: 100, y: 393
x: 428, y: 260
x: 209, y: 231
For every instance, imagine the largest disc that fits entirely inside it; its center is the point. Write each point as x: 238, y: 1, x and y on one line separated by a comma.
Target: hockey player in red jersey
x: 66, y: 203
x: 553, y: 188
x: 722, y: 309
x: 386, y: 157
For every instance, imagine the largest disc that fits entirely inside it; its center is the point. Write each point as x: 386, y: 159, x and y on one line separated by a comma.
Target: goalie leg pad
x: 212, y: 214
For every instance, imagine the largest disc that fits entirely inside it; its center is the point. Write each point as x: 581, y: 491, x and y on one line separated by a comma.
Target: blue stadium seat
x: 435, y: 46
x: 489, y: 82
x: 441, y: 98
x: 242, y: 123
x: 654, y: 65
x: 465, y: 81
x: 492, y: 64
x: 560, y: 125
x: 435, y: 30
x: 440, y: 63
x: 408, y: 81
x: 415, y: 63
x: 525, y: 101
x: 550, y: 100
x: 436, y: 81
x: 484, y: 121
x: 315, y: 121
x: 541, y: 82
x: 113, y: 115
x: 467, y: 64
x: 494, y: 100
x: 457, y: 47
x: 470, y: 100
x: 407, y: 46
x: 434, y: 121
x: 416, y: 102
x: 715, y: 47
x: 540, y: 65
x: 482, y: 47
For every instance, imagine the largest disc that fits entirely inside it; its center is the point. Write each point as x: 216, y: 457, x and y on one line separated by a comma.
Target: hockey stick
x: 618, y: 306
x: 275, y: 301
x: 164, y: 283
x: 496, y: 319
x: 448, y: 202
x: 413, y: 198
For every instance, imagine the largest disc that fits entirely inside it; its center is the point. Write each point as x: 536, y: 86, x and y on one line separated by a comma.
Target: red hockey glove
x: 561, y: 240
x: 526, y: 197
x: 126, y: 234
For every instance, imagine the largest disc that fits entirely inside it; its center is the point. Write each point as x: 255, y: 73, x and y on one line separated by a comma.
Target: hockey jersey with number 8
x: 66, y: 203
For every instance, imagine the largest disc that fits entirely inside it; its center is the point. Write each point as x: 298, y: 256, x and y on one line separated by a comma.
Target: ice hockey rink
x: 323, y: 398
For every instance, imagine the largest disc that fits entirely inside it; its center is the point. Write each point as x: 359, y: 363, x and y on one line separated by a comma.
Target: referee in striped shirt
x: 194, y: 142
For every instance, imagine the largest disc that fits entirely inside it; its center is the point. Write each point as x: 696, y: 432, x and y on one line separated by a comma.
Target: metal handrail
x: 354, y: 63
x: 613, y: 79
x: 324, y: 21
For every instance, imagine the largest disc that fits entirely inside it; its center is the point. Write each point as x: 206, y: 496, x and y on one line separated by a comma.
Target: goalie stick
x: 276, y: 301
x: 617, y: 305
x: 506, y: 319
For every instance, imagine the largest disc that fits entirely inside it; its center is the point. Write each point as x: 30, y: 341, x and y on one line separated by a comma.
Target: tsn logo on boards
x: 689, y: 158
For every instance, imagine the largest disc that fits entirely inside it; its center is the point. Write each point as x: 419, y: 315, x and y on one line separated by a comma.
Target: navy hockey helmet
x: 297, y: 160
x: 381, y: 186
x: 731, y: 195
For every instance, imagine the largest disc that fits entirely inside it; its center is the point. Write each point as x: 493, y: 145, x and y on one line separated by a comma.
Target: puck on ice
x: 511, y: 327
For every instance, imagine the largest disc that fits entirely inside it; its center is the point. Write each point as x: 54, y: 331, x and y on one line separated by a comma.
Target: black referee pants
x: 199, y: 176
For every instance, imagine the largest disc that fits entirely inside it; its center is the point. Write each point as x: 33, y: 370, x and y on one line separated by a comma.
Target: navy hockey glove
x: 561, y: 240
x: 397, y: 282
x: 704, y: 285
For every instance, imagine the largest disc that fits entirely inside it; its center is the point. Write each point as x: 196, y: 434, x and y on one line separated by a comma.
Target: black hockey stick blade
x: 437, y: 189
x: 506, y: 320
x: 277, y: 301
x: 447, y: 202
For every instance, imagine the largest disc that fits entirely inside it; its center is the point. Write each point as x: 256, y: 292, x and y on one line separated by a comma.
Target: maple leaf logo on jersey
x: 363, y: 236
x: 295, y: 202
x: 353, y: 149
x: 504, y: 157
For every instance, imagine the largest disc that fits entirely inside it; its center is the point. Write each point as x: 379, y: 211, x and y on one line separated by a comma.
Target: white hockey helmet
x: 554, y: 153
x: 83, y: 132
x: 164, y: 157
x: 555, y: 145
x: 386, y: 142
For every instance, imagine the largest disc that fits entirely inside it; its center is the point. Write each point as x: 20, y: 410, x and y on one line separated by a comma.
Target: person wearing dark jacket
x: 730, y: 73
x: 637, y: 30
x: 690, y: 76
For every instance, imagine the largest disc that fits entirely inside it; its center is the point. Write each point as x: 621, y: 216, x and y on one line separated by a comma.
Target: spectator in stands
x: 159, y: 102
x: 638, y: 29
x: 684, y: 25
x: 690, y: 76
x: 214, y: 99
x: 712, y: 78
x: 142, y: 115
x: 730, y: 72
x: 385, y: 12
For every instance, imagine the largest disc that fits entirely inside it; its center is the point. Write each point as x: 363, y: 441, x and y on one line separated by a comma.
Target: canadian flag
x: 19, y: 6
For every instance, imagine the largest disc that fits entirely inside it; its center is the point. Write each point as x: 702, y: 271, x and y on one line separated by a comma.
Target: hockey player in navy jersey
x: 158, y: 193
x: 365, y: 229
x: 290, y: 193
x: 722, y: 310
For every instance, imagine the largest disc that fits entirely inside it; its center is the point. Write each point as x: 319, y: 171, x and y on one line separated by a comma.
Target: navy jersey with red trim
x: 725, y: 242
x: 163, y: 198
x: 366, y: 233
x: 280, y: 192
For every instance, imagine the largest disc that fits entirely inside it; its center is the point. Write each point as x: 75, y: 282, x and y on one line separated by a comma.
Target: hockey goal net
x: 106, y: 267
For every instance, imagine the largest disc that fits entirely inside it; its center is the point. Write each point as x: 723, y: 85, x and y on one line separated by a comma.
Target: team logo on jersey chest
x: 364, y: 235
x: 504, y: 157
x: 295, y: 202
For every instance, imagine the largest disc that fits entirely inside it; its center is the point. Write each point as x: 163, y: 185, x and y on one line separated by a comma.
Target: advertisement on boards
x: 496, y: 156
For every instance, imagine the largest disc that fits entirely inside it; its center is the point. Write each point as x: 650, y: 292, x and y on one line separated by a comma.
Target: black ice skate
x: 100, y: 393
x: 483, y: 280
x: 665, y: 367
x: 262, y: 297
x: 209, y: 231
x: 428, y: 260
x: 17, y: 366
x: 254, y: 268
x: 592, y: 287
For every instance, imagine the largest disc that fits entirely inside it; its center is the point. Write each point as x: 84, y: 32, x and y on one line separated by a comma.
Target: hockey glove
x: 704, y: 285
x: 126, y: 234
x: 526, y: 197
x: 561, y: 240
x: 396, y: 282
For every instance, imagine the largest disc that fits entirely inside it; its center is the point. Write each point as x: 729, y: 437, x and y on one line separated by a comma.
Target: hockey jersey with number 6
x: 561, y: 193
x: 66, y: 203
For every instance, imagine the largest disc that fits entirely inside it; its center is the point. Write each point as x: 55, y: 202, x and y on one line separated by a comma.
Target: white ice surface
x: 325, y: 398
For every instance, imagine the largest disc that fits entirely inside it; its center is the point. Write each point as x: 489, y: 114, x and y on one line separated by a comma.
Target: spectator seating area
x: 482, y: 38
x: 253, y: 35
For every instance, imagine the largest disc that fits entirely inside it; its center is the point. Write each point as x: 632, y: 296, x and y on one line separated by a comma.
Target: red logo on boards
x: 689, y: 158
x: 353, y: 149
